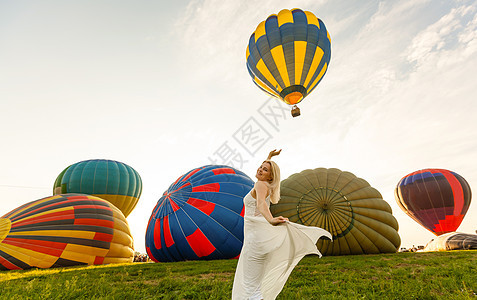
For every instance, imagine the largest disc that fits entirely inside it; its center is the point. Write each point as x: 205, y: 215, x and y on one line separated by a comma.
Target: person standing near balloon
x: 272, y: 246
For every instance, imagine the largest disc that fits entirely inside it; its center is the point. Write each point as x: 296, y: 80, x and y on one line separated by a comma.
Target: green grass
x: 440, y: 275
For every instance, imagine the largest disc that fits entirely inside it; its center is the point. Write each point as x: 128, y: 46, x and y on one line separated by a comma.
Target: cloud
x: 215, y: 34
x: 454, y: 33
x: 387, y: 75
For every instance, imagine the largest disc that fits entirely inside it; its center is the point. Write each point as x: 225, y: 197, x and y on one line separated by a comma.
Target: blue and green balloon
x: 113, y: 181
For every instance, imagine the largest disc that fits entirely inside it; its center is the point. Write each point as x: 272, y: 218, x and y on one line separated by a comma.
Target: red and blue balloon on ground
x: 200, y: 216
x: 438, y: 199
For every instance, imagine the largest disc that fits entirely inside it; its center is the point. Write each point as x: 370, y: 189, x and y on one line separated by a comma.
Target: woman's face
x: 264, y: 172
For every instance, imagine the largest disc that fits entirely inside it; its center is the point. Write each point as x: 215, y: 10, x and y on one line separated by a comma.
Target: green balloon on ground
x: 110, y: 180
x: 355, y: 213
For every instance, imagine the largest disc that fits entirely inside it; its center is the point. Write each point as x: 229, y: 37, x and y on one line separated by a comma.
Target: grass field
x: 440, y: 275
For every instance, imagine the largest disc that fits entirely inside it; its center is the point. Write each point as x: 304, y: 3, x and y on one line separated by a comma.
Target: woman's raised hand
x: 273, y: 153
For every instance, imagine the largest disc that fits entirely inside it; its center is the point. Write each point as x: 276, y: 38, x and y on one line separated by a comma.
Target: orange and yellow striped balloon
x: 64, y: 230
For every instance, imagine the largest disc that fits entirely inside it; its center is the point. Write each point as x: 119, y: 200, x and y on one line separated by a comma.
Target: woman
x: 272, y: 246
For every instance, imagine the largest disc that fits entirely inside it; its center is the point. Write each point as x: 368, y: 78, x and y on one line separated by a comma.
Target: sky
x: 162, y: 86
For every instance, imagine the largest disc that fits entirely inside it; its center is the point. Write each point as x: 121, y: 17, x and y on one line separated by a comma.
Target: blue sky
x: 162, y: 85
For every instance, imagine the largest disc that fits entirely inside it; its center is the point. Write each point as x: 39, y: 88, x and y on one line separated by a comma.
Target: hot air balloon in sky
x: 200, y: 216
x: 108, y: 179
x: 288, y: 55
x: 356, y: 215
x: 437, y: 199
x: 64, y: 230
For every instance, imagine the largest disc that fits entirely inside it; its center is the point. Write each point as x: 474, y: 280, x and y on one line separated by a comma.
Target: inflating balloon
x: 200, y: 216
x: 452, y: 241
x: 356, y: 215
x: 437, y: 199
x: 288, y: 55
x: 108, y: 179
x: 64, y: 230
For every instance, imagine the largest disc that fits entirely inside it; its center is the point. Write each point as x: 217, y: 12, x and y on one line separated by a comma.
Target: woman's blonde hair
x: 275, y: 182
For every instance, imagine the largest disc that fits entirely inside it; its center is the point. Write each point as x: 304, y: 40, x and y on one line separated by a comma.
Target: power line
x: 23, y: 187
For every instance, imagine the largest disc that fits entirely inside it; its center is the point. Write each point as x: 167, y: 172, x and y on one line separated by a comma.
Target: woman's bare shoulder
x: 262, y: 185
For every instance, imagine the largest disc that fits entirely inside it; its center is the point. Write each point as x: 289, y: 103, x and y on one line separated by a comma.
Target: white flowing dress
x: 270, y: 253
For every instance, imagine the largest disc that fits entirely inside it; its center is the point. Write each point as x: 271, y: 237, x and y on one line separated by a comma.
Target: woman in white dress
x: 272, y: 246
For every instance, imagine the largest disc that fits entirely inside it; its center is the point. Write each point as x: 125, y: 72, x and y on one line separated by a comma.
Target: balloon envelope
x: 288, y: 54
x: 356, y: 215
x: 110, y: 180
x: 200, y: 216
x: 437, y: 199
x: 452, y: 241
x: 64, y: 230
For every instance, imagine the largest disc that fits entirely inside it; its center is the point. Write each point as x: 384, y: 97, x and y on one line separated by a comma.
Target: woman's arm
x: 273, y: 153
x: 261, y: 190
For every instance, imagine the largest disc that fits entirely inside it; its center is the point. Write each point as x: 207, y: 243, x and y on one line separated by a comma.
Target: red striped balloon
x: 437, y: 199
x: 200, y: 216
x: 64, y: 230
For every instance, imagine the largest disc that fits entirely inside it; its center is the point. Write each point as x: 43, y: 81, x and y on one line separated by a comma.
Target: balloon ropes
x: 200, y: 216
x: 288, y: 55
x: 437, y: 199
x: 64, y: 230
x: 356, y: 215
x: 113, y: 181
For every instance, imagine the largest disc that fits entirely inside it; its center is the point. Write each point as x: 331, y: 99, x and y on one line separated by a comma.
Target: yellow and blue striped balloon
x: 288, y: 54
